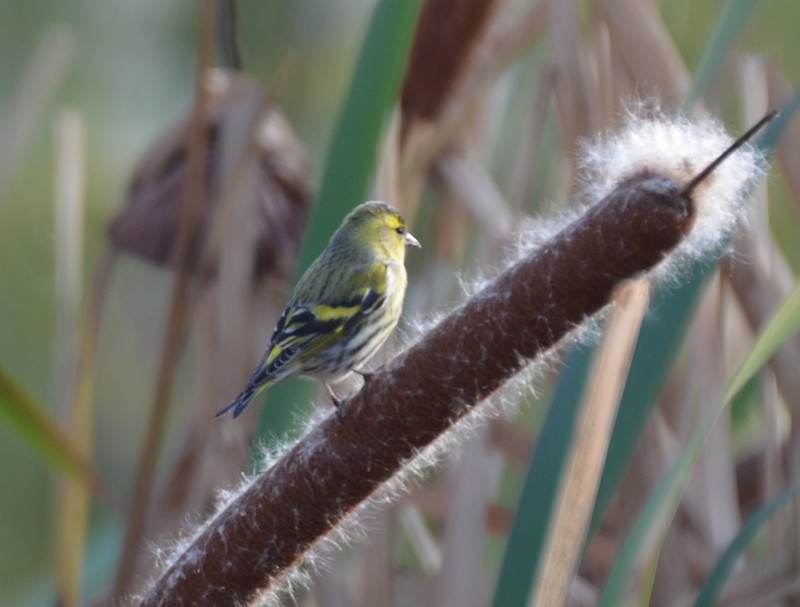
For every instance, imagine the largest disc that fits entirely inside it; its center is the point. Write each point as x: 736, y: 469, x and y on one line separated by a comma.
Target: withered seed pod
x: 147, y: 226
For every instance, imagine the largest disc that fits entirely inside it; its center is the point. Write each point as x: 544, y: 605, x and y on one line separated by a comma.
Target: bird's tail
x: 245, y: 396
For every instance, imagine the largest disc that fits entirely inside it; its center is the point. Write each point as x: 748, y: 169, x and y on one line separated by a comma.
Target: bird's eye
x: 400, y: 230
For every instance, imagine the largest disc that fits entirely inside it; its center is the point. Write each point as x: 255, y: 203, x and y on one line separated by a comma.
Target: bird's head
x: 379, y: 225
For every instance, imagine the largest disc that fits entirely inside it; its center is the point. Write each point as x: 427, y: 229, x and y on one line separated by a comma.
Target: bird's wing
x: 307, y: 327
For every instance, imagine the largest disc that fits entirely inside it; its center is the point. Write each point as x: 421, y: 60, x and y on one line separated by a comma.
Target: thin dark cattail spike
x: 687, y: 189
x: 228, y: 35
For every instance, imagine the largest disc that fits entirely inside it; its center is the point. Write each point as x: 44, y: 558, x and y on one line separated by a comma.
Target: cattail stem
x: 176, y: 328
x: 412, y: 401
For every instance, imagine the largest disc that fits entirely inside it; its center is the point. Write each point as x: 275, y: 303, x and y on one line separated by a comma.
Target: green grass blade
x: 353, y: 153
x: 528, y: 533
x: 643, y: 600
x: 783, y: 326
x: 36, y: 427
x: 709, y: 593
x: 648, y: 532
x: 775, y: 128
x: 735, y: 15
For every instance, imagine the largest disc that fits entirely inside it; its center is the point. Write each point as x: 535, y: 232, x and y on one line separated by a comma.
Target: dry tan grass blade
x: 787, y: 151
x: 459, y: 582
x: 570, y: 57
x: 40, y: 80
x: 646, y: 48
x: 73, y: 498
x: 593, y: 427
x: 710, y: 498
x: 756, y: 97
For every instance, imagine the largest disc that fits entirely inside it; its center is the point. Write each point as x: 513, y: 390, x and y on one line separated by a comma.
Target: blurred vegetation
x: 128, y: 71
x: 131, y: 73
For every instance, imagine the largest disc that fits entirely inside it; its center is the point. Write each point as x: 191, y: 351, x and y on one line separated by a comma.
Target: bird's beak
x: 411, y: 241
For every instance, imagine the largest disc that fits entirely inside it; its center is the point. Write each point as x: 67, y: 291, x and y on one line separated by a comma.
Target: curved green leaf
x: 36, y: 427
x: 709, y: 593
x: 353, y: 153
x: 775, y: 128
x: 735, y: 15
x: 783, y: 326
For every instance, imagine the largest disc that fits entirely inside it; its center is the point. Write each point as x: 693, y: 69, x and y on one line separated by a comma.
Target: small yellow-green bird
x: 344, y: 306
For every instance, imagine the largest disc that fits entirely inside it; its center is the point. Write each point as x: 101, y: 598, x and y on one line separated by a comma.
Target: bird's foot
x: 338, y: 404
x: 367, y: 376
x: 339, y: 410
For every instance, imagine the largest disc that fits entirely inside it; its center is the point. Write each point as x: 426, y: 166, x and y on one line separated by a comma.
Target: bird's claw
x: 367, y: 377
x: 339, y: 405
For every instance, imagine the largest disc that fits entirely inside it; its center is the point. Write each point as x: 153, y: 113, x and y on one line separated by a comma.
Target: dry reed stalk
x: 506, y: 37
x: 205, y: 460
x: 423, y: 542
x: 711, y: 493
x: 758, y: 84
x: 465, y: 179
x: 595, y: 420
x: 178, y: 315
x: 607, y: 94
x: 447, y: 41
x: 787, y: 151
x: 73, y: 496
x: 571, y: 80
x: 40, y: 79
x: 710, y: 500
x: 521, y: 173
x: 645, y: 46
x: 252, y: 238
x: 755, y: 93
x: 376, y: 562
x: 460, y: 581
